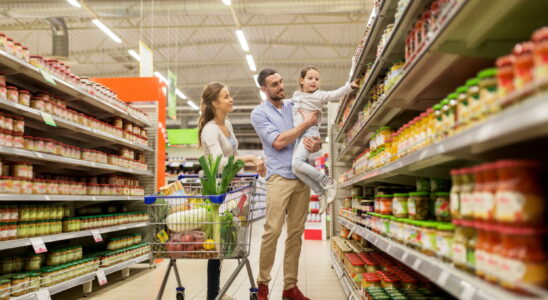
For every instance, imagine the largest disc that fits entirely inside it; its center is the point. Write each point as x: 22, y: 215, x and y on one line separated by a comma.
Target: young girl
x: 311, y: 99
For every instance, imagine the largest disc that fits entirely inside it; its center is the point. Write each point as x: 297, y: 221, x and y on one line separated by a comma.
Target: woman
x: 216, y: 137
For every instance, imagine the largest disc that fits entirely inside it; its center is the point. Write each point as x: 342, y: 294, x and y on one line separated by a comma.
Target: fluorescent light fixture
x: 134, y: 54
x: 106, y: 30
x: 242, y: 40
x: 192, y: 104
x: 75, y: 3
x: 255, y: 79
x: 227, y: 2
x: 251, y: 63
x: 263, y: 95
x: 180, y: 94
x: 161, y: 77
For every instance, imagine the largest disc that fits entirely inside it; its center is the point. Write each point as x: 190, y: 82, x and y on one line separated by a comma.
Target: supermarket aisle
x: 316, y: 279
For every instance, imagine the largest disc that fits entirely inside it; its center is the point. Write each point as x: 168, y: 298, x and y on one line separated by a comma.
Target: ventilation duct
x: 59, y: 33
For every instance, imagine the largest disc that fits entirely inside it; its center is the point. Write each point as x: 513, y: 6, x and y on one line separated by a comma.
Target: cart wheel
x: 180, y: 294
x: 253, y: 294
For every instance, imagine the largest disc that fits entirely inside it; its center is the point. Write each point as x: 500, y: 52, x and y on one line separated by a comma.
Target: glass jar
x: 444, y: 241
x: 519, y: 199
x: 12, y: 94
x: 454, y: 204
x: 464, y: 245
x: 540, y: 40
x: 462, y: 110
x: 34, y: 281
x: 441, y: 206
x: 481, y: 251
x: 399, y: 205
x: 473, y: 100
x: 5, y: 285
x: 419, y: 206
x: 466, y: 195
x: 523, y: 64
x: 447, y: 117
x: 428, y: 237
x: 488, y: 91
x: 385, y: 203
x: 523, y: 256
x: 33, y: 262
x: 19, y: 285
x: 24, y: 97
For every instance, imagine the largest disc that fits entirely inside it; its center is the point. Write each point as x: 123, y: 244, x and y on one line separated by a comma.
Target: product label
x: 459, y: 253
x: 386, y: 207
x: 509, y: 206
x: 454, y: 203
x: 441, y: 207
x: 443, y: 244
x: 162, y: 236
x: 479, y: 208
x: 513, y: 270
x: 493, y: 265
x: 412, y: 208
x: 481, y: 261
x: 400, y: 207
x: 488, y: 205
x: 466, y: 204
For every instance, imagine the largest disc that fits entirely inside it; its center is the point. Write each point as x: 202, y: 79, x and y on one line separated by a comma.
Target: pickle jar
x: 419, y: 205
x: 441, y: 206
x: 399, y: 205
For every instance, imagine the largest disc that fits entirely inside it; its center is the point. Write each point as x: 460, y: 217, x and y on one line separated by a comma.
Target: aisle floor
x: 317, y: 279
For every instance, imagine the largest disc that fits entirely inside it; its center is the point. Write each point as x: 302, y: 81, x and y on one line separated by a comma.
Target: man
x: 287, y: 197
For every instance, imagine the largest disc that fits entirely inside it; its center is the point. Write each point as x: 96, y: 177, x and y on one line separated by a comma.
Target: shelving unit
x: 84, y: 278
x: 473, y: 34
x: 54, y: 198
x: 459, y: 283
x: 346, y: 283
x: 69, y: 235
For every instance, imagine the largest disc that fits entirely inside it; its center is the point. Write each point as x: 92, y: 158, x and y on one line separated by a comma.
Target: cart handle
x: 255, y: 175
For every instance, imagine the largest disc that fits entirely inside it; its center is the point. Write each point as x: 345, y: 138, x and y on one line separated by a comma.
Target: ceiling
x: 196, y: 40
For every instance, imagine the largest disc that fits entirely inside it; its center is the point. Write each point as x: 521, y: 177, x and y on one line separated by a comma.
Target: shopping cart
x: 189, y: 225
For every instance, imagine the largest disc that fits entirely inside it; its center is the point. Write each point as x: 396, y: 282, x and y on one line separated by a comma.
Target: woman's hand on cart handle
x: 261, y: 168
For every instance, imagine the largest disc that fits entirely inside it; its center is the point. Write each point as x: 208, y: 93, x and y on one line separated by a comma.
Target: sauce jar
x: 488, y: 91
x: 505, y: 77
x: 385, y: 202
x: 441, y: 206
x: 540, y: 40
x: 444, y: 241
x: 464, y: 245
x: 5, y: 285
x: 37, y: 103
x: 399, y: 205
x: 428, y: 237
x: 3, y: 91
x: 12, y: 94
x: 473, y: 101
x: 419, y: 205
x: 523, y: 64
x: 466, y: 194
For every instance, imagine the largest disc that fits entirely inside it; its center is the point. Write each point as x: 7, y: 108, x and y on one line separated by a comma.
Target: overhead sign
x: 146, y: 68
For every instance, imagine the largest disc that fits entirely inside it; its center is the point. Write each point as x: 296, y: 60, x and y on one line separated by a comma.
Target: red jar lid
x: 523, y: 48
x: 540, y: 34
x: 506, y: 60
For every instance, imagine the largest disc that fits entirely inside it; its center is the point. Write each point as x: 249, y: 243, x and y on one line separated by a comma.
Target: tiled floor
x: 317, y: 279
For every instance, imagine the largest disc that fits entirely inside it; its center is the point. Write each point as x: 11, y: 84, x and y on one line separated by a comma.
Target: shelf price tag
x: 43, y: 294
x: 47, y: 76
x: 38, y: 245
x: 101, y: 277
x: 97, y: 235
x: 48, y: 119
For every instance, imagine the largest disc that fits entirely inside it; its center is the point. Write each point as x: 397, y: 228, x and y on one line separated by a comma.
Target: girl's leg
x: 305, y: 172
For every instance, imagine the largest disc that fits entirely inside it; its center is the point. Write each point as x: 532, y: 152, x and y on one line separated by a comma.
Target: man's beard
x: 276, y: 98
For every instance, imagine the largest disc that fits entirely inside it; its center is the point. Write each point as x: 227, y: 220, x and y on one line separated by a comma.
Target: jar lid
x: 383, y: 196
x: 419, y: 194
x: 452, y: 96
x: 540, y: 34
x: 401, y: 195
x: 446, y: 226
x: 486, y: 73
x: 506, y: 60
x: 20, y: 276
x: 444, y: 102
x: 523, y: 48
x: 517, y: 163
x: 472, y: 82
x: 436, y: 107
x: 441, y: 194
x: 456, y: 172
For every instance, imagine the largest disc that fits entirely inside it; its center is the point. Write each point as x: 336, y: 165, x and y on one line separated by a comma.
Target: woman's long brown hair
x: 209, y: 95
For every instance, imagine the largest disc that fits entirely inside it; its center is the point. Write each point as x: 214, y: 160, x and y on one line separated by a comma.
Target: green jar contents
x: 441, y: 206
x: 19, y: 285
x: 419, y: 205
x: 399, y: 205
x: 488, y: 91
x: 473, y: 100
x: 444, y: 241
x: 33, y: 262
x: 34, y: 281
x: 462, y: 110
x: 428, y: 237
x: 5, y: 285
x: 464, y: 245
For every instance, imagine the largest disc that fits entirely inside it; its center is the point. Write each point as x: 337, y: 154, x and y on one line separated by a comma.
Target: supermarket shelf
x: 27, y: 75
x: 460, y: 284
x: 395, y: 41
x: 31, y: 197
x: 68, y: 235
x: 71, y: 129
x: 345, y: 281
x: 41, y: 157
x: 523, y: 121
x: 381, y: 18
x: 84, y: 278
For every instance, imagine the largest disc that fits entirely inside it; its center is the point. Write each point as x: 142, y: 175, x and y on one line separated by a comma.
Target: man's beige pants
x: 284, y: 198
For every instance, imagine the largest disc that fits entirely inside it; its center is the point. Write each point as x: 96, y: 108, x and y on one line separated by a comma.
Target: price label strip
x: 101, y: 277
x: 97, y: 235
x: 43, y: 294
x: 38, y: 245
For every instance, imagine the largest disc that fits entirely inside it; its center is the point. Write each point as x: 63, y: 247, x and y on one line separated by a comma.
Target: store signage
x: 183, y: 136
x: 38, y: 245
x: 171, y: 96
x: 48, y: 119
x: 146, y: 68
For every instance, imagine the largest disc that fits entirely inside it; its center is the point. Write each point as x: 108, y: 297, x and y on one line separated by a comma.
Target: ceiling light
x: 255, y: 77
x: 161, y: 77
x: 227, y: 2
x: 134, y: 54
x: 74, y: 3
x: 263, y: 95
x: 192, y: 104
x: 251, y: 63
x: 180, y: 94
x: 106, y: 30
x: 242, y: 40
